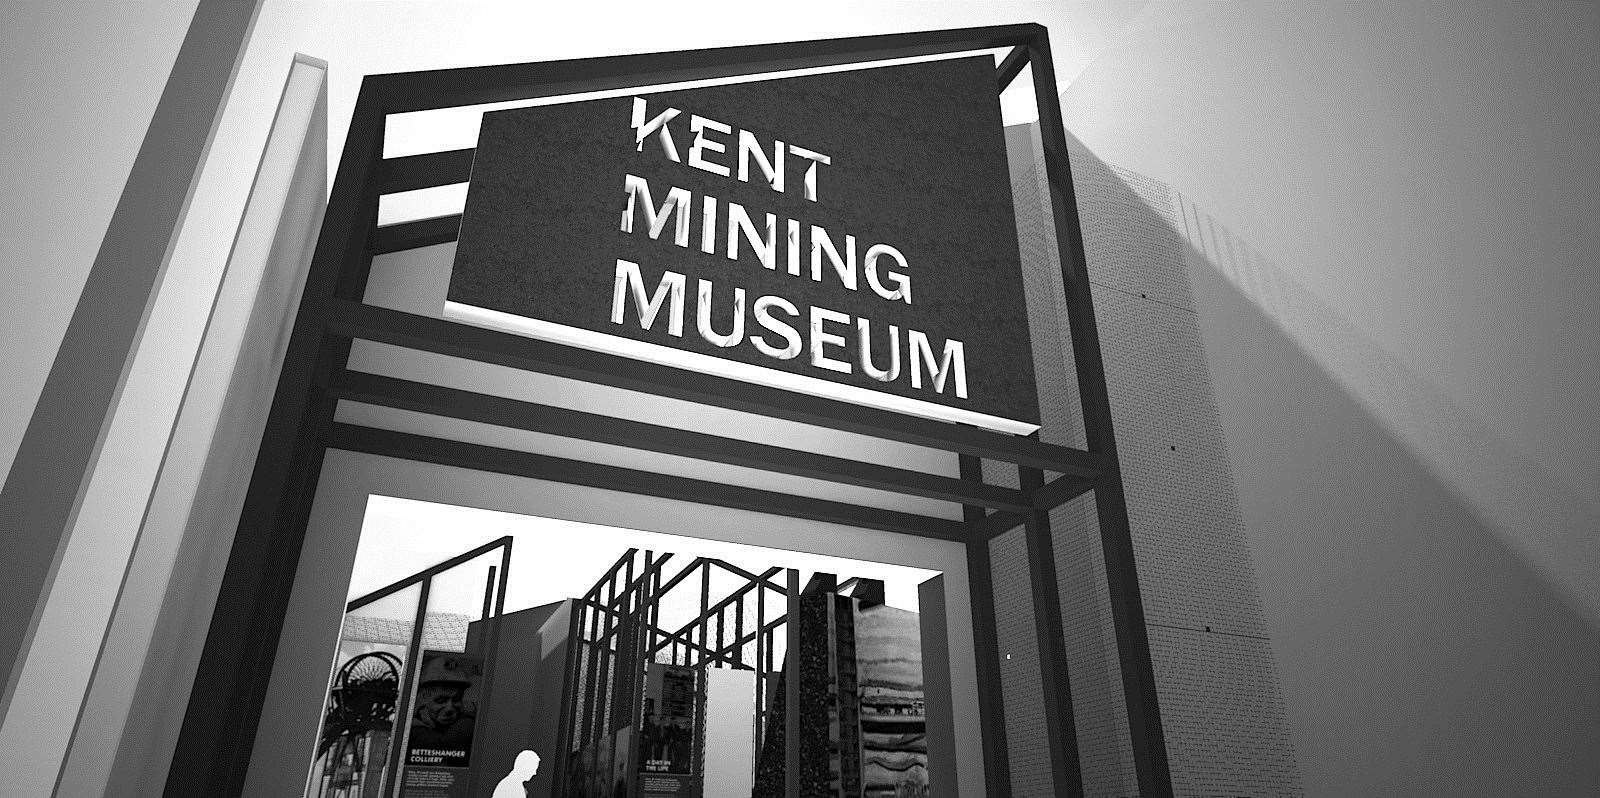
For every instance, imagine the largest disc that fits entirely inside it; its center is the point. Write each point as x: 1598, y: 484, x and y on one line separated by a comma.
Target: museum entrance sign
x: 847, y: 235
x: 828, y: 253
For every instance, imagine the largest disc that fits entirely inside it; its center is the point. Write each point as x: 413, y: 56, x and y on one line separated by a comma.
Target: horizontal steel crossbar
x: 466, y: 405
x: 449, y: 88
x: 1059, y: 491
x: 1012, y: 66
x: 432, y: 169
x: 405, y: 445
x: 997, y: 523
x: 417, y: 234
x: 420, y: 576
x: 428, y: 334
x: 412, y: 172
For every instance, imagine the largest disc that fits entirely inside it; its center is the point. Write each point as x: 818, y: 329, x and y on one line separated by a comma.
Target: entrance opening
x: 628, y: 662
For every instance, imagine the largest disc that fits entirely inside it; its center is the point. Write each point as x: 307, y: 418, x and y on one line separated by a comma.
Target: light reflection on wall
x: 1546, y: 522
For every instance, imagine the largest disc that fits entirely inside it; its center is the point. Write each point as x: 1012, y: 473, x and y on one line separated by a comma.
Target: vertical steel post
x: 491, y: 628
x: 991, y: 696
x: 402, y: 709
x: 1122, y: 576
x: 488, y: 595
x: 1056, y: 684
x: 762, y: 668
x: 791, y: 683
x: 569, y: 700
x: 702, y: 625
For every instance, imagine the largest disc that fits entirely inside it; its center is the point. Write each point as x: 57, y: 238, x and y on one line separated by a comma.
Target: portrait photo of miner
x: 444, y: 715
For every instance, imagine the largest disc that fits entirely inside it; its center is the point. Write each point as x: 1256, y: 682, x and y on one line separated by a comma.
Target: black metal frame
x: 494, y: 604
x: 219, y: 727
x: 621, y: 594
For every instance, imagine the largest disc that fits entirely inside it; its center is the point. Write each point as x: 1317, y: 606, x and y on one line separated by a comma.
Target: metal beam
x: 765, y: 581
x: 791, y: 706
x: 413, y: 660
x: 432, y: 169
x: 661, y: 590
x: 991, y: 696
x: 469, y: 406
x: 415, y: 235
x: 641, y: 582
x: 1059, y: 491
x: 1066, y: 773
x: 753, y: 635
x: 428, y: 573
x: 726, y: 600
x: 996, y: 524
x: 1012, y: 66
x: 1122, y: 576
x: 492, y: 346
x: 577, y: 472
x: 447, y: 88
x: 605, y: 579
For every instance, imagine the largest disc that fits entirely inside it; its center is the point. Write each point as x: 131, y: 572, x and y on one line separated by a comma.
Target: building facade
x: 1221, y: 706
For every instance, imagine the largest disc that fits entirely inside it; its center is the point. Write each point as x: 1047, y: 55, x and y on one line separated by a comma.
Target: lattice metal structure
x: 213, y: 754
x: 619, y: 627
x: 494, y: 603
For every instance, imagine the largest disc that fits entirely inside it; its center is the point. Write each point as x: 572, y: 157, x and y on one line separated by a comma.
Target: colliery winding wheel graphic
x: 360, y: 719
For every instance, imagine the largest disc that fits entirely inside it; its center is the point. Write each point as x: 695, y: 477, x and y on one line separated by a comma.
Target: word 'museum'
x: 773, y: 325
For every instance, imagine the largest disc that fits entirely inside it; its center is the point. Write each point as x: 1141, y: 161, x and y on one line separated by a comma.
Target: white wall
x: 1392, y: 207
x: 1428, y: 172
x: 180, y: 481
x: 79, y: 81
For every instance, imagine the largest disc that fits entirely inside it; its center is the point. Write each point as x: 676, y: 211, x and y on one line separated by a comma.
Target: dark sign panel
x: 443, y: 719
x: 667, y: 734
x: 848, y: 235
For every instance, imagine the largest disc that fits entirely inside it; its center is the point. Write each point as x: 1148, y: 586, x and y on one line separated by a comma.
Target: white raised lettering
x: 702, y: 317
x: 642, y: 129
x: 953, y: 362
x: 864, y: 352
x: 669, y: 290
x: 678, y: 201
x: 844, y: 267
x: 815, y: 158
x: 773, y: 169
x: 821, y: 338
x: 765, y: 245
x: 763, y: 313
x: 902, y: 281
x: 699, y: 125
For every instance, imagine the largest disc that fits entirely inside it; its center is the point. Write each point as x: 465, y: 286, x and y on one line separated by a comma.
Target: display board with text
x: 848, y: 235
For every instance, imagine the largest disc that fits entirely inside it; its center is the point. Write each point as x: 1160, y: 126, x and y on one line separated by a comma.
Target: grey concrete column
x: 43, y: 487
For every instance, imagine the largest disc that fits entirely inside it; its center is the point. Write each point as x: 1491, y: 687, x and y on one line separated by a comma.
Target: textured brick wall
x: 1221, y: 708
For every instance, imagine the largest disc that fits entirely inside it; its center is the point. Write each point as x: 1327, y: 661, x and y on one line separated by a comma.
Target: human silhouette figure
x: 511, y: 786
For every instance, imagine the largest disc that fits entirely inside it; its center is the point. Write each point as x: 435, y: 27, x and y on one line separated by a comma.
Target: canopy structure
x: 213, y: 754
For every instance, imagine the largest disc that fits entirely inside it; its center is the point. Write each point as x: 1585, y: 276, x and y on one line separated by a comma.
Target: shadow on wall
x: 1433, y: 635
x: 1537, y: 516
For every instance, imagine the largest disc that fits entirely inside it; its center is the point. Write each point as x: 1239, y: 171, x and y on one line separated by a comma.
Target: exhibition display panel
x: 670, y: 675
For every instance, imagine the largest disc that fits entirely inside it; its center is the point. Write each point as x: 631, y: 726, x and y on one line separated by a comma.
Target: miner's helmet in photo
x: 449, y: 670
